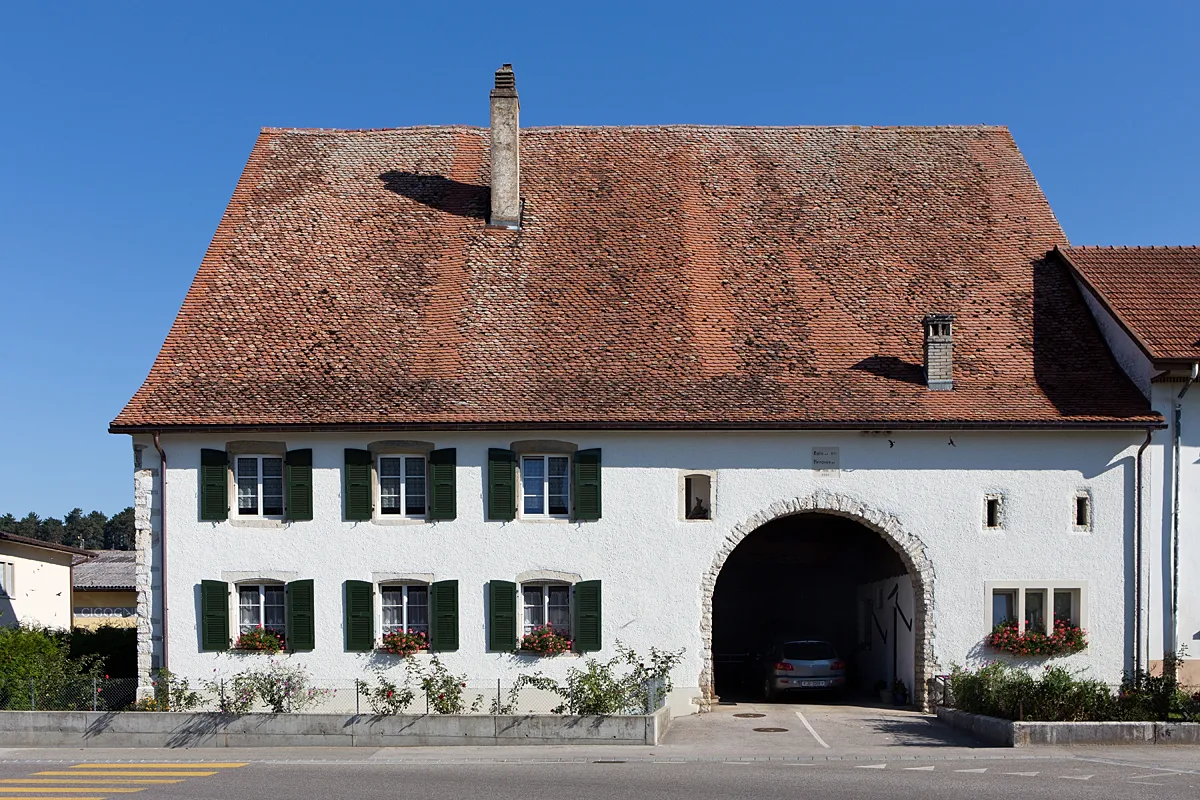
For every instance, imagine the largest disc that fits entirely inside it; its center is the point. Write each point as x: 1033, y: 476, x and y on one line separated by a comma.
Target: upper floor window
x: 547, y: 605
x: 7, y: 589
x: 260, y: 486
x: 261, y: 606
x: 545, y: 486
x: 402, y: 486
x: 405, y: 609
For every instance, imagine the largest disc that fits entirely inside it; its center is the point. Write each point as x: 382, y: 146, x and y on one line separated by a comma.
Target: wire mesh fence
x: 328, y: 696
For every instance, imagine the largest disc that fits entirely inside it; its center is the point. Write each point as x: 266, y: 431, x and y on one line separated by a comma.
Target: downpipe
x: 1176, y: 432
x: 162, y: 546
x: 1138, y: 515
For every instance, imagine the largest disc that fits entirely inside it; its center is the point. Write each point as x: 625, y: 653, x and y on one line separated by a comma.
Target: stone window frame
x: 998, y: 499
x: 247, y: 448
x: 681, y: 509
x: 1090, y: 511
x: 397, y: 447
x: 235, y: 602
x: 546, y: 577
x: 543, y: 447
x: 1079, y: 600
x: 404, y: 585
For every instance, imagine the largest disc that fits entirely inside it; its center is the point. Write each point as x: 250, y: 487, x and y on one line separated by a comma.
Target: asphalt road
x: 608, y: 779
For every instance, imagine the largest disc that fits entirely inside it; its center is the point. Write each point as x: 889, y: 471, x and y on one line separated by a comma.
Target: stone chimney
x: 506, y: 151
x: 939, y: 352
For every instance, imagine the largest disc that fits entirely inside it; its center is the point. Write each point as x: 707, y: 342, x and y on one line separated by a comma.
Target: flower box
x: 404, y: 643
x: 1065, y: 640
x: 260, y: 639
x: 545, y: 641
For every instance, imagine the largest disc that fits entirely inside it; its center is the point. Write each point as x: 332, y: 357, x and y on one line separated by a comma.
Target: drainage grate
x: 749, y: 716
x: 608, y: 761
x: 771, y: 730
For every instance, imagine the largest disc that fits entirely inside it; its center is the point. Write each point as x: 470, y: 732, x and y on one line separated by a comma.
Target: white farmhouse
x: 674, y: 386
x: 1147, y: 301
x: 36, y: 581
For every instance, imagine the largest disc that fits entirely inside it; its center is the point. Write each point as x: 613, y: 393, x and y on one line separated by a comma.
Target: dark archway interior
x: 796, y: 576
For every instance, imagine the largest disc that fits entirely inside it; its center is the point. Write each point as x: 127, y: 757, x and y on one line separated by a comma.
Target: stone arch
x: 910, y: 549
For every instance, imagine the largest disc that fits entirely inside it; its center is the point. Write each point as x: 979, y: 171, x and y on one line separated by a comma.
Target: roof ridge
x: 646, y: 127
x: 1133, y: 247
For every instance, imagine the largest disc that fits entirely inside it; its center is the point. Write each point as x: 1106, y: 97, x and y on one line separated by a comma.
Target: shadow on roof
x: 892, y: 368
x: 440, y: 193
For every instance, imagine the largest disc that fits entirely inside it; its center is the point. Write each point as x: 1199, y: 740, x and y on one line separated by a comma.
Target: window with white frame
x: 7, y: 579
x: 405, y: 608
x: 402, y: 490
x: 261, y: 605
x: 1038, y: 607
x: 259, y: 486
x: 545, y: 486
x: 547, y: 604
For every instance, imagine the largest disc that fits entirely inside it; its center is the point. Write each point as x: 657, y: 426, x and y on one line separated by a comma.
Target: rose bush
x: 404, y: 643
x: 545, y: 641
x: 259, y: 638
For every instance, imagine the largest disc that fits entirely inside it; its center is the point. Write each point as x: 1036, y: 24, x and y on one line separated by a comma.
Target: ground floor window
x: 1037, y: 607
x: 547, y: 604
x: 405, y: 609
x: 261, y: 606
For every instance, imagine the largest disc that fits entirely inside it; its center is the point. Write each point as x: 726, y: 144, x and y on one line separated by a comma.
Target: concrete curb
x: 1007, y: 733
x: 153, y: 729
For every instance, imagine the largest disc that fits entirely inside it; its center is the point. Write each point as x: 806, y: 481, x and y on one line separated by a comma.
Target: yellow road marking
x: 132, y: 773
x: 90, y: 780
x: 158, y: 765
x: 67, y: 789
x: 44, y: 797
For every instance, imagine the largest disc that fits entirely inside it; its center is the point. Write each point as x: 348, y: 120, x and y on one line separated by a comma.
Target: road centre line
x: 816, y: 736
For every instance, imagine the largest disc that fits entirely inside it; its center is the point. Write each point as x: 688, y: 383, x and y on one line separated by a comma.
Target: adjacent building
x: 35, y: 581
x: 674, y: 386
x: 105, y: 590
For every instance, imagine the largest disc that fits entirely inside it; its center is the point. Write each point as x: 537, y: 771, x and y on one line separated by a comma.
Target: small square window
x: 697, y: 496
x: 1083, y: 511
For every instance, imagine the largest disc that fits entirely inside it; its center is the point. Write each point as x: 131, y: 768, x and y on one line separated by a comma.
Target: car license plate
x: 813, y: 683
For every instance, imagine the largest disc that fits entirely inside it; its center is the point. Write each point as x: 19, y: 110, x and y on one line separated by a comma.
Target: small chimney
x: 506, y: 151
x: 939, y: 352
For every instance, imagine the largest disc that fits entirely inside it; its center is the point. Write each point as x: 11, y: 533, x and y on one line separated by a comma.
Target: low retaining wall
x: 151, y: 729
x: 1007, y: 733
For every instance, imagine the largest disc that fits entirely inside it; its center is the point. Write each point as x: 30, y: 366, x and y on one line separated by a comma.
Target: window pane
x: 1035, y: 611
x: 533, y: 473
x: 414, y: 486
x: 272, y: 486
x: 558, y: 485
x: 393, y: 610
x: 559, y: 609
x: 248, y: 608
x: 1004, y: 607
x: 391, y: 467
x: 272, y: 467
x: 389, y: 495
x: 1063, y: 604
x: 534, y: 616
x: 418, y: 609
x: 247, y: 485
x: 273, y: 609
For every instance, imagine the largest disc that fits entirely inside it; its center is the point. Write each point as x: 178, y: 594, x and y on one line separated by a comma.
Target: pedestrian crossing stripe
x: 33, y: 789
x: 129, y: 773
x: 919, y: 769
x: 976, y: 771
x: 91, y: 780
x: 44, y: 797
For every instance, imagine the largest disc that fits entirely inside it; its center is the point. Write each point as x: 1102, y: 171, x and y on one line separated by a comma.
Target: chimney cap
x: 506, y: 82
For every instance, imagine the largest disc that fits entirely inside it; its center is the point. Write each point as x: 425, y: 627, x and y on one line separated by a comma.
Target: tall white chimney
x: 506, y: 151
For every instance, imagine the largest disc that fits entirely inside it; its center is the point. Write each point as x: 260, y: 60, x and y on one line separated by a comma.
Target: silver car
x: 803, y: 665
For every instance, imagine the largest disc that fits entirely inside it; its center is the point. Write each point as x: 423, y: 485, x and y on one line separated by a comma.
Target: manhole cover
x: 771, y: 730
x: 749, y: 716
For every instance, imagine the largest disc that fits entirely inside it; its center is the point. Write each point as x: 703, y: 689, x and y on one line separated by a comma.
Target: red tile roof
x: 677, y: 276
x: 1154, y: 292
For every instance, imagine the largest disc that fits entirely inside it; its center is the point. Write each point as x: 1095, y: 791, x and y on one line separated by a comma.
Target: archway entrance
x: 853, y: 579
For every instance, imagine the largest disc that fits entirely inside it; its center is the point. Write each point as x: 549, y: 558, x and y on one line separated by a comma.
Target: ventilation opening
x: 991, y: 512
x: 1083, y: 511
x: 697, y: 497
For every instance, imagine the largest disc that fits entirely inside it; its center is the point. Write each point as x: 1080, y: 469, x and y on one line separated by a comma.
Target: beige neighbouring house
x: 105, y: 592
x: 36, y: 581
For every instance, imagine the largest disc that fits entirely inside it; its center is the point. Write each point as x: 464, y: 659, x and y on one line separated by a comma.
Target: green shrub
x: 38, y: 660
x: 117, y: 647
x: 603, y: 688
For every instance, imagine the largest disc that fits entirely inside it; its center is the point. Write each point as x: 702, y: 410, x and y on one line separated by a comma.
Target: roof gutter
x: 1178, y: 424
x: 162, y: 548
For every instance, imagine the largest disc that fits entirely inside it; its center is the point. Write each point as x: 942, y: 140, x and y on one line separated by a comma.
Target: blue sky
x: 126, y: 126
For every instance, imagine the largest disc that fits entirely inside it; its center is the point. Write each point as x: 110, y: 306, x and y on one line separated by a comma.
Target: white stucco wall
x: 886, y: 637
x: 42, y: 586
x: 652, y: 563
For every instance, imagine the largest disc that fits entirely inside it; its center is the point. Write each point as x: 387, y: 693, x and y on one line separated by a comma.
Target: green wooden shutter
x: 301, y: 625
x: 502, y: 484
x: 443, y: 503
x: 214, y: 615
x: 588, y: 623
x: 360, y: 616
x: 298, y: 485
x: 214, y: 491
x: 443, y: 608
x: 358, y: 484
x: 587, y: 484
x: 502, y: 616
